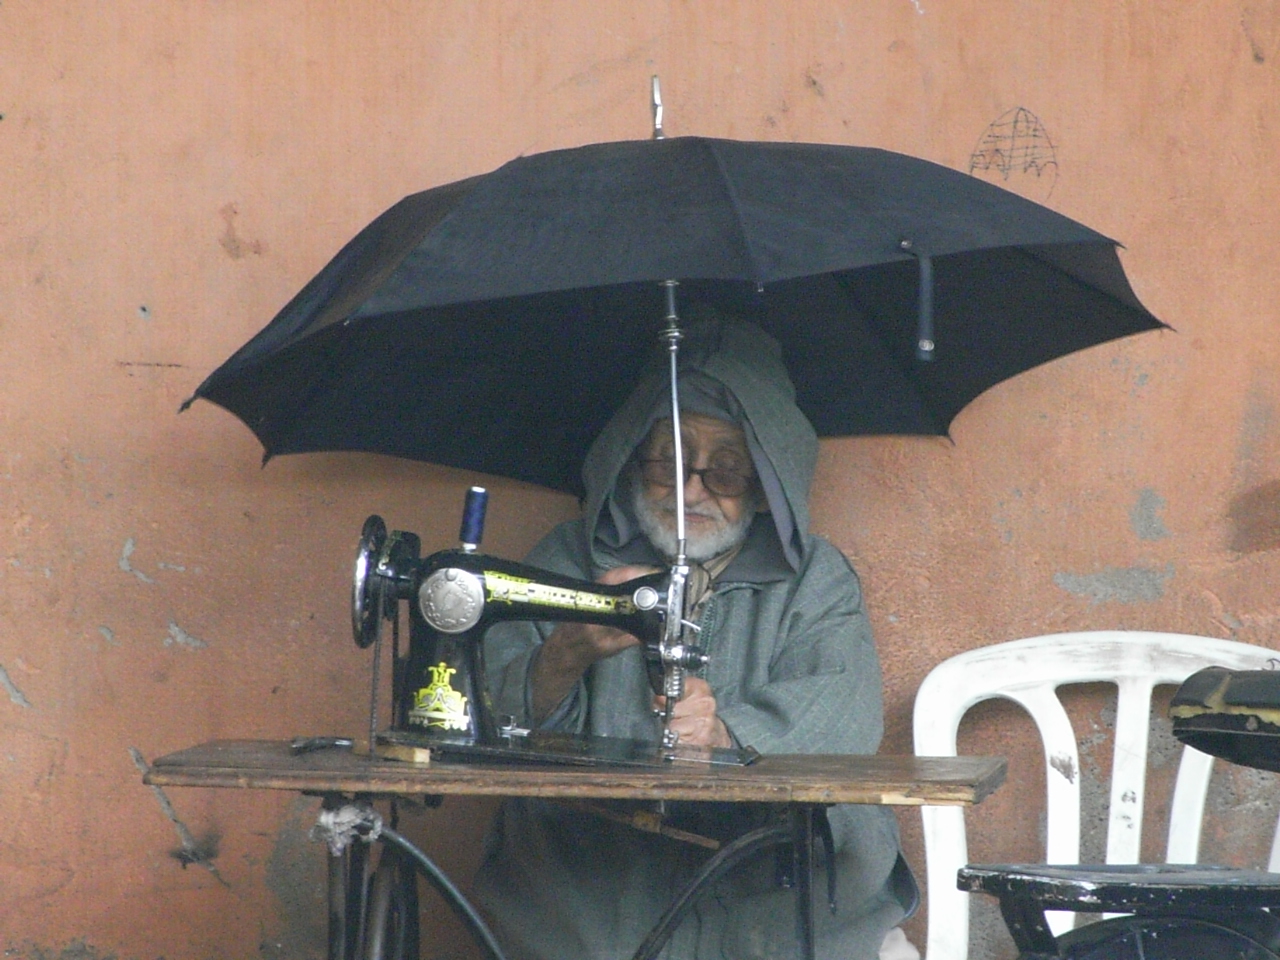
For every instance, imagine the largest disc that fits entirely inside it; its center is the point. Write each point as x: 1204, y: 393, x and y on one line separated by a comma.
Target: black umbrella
x: 495, y: 323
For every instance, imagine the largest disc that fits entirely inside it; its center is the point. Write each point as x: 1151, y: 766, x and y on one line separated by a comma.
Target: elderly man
x: 792, y: 670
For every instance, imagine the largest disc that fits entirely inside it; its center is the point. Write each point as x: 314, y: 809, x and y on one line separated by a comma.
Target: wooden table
x: 797, y: 778
x: 804, y: 784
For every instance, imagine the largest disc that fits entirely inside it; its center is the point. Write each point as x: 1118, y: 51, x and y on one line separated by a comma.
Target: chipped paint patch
x: 1065, y: 766
x: 17, y: 564
x: 129, y: 546
x: 179, y: 637
x: 11, y: 688
x: 1118, y: 584
x: 108, y: 635
x: 79, y: 949
x: 1145, y: 515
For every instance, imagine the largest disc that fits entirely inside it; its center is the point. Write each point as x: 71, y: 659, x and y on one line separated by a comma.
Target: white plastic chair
x: 1029, y: 672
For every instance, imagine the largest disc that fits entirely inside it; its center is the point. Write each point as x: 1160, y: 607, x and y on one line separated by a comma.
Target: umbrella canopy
x: 495, y: 323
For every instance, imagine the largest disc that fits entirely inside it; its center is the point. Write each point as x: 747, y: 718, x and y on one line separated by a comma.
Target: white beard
x: 657, y: 521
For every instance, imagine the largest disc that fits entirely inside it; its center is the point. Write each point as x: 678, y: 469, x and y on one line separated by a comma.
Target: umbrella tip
x: 657, y: 110
x: 187, y: 402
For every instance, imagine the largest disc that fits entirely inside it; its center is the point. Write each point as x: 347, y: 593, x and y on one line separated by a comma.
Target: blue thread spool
x: 473, y: 518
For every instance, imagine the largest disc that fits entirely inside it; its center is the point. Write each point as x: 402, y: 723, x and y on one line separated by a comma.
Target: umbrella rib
x: 744, y: 240
x: 1113, y: 298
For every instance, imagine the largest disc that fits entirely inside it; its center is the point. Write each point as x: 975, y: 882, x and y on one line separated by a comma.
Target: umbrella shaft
x: 672, y: 336
x: 673, y: 673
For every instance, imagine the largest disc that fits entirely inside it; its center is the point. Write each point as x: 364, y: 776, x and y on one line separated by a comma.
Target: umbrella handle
x: 924, y: 322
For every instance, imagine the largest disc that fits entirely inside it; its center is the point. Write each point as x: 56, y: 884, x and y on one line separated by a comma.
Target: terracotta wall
x: 175, y: 170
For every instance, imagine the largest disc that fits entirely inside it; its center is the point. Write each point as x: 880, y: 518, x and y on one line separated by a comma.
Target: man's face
x: 719, y: 506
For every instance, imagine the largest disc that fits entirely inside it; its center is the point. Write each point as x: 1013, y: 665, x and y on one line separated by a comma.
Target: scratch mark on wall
x: 1250, y: 626
x: 1065, y: 766
x: 1260, y: 20
x: 181, y: 638
x: 1144, y: 515
x: 919, y: 8
x: 236, y: 248
x: 1221, y: 615
x: 108, y: 635
x: 1117, y: 584
x: 171, y: 566
x: 192, y: 851
x: 151, y: 368
x: 11, y: 688
x: 129, y: 546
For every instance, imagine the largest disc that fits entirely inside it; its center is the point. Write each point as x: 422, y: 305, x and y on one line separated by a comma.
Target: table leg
x: 338, y: 907
x: 802, y: 858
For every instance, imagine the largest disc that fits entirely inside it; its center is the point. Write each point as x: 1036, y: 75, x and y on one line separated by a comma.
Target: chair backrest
x: 1029, y: 672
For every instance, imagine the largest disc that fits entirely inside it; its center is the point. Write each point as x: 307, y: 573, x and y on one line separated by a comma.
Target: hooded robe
x: 792, y: 667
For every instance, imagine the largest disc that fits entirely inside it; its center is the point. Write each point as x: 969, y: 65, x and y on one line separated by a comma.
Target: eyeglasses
x: 719, y: 481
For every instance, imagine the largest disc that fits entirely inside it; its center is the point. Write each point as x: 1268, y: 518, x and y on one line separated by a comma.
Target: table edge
x: 384, y: 778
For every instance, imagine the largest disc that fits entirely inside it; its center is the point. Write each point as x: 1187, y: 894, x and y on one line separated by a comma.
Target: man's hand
x: 573, y: 647
x: 694, y: 716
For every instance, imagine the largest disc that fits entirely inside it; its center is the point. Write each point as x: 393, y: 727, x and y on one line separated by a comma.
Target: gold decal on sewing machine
x: 438, y: 704
x: 504, y: 588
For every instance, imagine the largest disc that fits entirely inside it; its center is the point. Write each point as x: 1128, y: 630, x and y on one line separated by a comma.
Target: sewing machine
x: 440, y: 701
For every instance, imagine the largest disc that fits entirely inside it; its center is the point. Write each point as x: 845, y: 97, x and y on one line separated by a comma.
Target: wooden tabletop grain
x: 795, y: 778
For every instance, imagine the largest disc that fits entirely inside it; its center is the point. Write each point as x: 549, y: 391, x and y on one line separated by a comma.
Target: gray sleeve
x: 822, y: 689
x: 511, y: 648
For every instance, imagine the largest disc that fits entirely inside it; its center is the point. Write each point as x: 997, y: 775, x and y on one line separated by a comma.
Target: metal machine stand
x: 373, y: 911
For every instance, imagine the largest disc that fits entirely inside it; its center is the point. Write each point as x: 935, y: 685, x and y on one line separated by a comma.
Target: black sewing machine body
x: 458, y: 596
x: 440, y: 699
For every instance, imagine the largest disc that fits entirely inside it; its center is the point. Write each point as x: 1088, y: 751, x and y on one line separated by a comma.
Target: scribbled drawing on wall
x: 1260, y: 20
x: 1016, y: 151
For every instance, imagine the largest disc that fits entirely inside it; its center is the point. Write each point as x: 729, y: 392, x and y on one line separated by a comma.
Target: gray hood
x: 728, y: 369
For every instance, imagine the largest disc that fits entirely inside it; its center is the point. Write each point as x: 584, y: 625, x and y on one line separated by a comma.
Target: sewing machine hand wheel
x: 366, y: 606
